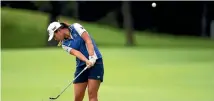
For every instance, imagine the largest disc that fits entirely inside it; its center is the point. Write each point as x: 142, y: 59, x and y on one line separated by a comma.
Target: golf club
x: 54, y: 98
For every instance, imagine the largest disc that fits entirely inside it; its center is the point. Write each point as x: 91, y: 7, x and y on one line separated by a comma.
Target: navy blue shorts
x: 96, y: 72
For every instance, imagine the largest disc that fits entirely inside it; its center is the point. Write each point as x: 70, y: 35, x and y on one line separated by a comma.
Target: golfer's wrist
x: 92, y: 57
x: 86, y: 60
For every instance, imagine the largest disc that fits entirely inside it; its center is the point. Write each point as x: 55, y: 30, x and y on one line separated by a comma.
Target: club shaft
x: 72, y: 81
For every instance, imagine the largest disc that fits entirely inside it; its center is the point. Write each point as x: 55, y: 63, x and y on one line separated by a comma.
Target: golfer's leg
x: 79, y: 91
x: 95, y: 77
x: 93, y: 87
x: 80, y: 84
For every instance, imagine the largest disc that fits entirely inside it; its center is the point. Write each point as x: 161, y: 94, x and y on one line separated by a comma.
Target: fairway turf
x: 131, y: 74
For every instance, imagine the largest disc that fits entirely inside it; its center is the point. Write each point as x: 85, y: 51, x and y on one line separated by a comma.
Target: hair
x: 64, y: 25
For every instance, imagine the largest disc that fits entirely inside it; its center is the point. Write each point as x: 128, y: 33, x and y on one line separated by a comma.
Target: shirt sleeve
x: 66, y: 48
x: 79, y: 28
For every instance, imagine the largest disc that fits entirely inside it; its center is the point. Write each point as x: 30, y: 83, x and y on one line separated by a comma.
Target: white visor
x: 52, y: 28
x: 51, y: 35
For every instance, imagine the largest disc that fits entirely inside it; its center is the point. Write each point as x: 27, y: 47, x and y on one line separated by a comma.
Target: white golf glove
x: 92, y: 59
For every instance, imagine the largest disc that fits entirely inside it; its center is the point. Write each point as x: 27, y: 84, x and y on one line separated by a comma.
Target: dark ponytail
x: 64, y: 25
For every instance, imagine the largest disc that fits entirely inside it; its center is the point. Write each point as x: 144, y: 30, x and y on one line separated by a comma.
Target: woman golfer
x: 76, y: 41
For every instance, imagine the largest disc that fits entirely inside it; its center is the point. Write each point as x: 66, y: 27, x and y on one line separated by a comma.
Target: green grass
x: 178, y: 74
x: 26, y: 29
x: 147, y: 73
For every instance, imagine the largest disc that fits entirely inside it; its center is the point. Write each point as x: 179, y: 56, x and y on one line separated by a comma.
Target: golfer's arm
x: 88, y: 42
x: 78, y: 54
x: 85, y: 36
x: 75, y: 52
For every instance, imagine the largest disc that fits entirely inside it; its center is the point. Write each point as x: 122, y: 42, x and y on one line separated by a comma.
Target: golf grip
x: 72, y: 81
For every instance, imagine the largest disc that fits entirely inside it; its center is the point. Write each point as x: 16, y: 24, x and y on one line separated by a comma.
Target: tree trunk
x: 127, y: 23
x: 204, y: 21
x: 55, y: 12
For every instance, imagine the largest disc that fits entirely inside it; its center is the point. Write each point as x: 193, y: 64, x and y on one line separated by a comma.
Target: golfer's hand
x: 89, y: 64
x: 92, y: 59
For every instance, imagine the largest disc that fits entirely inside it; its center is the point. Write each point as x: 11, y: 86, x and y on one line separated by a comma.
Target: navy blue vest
x: 78, y: 43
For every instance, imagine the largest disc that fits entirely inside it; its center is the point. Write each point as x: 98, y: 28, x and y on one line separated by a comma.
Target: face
x: 59, y: 34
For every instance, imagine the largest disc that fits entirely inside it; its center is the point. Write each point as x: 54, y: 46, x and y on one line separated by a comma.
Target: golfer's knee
x: 92, y: 96
x: 78, y: 97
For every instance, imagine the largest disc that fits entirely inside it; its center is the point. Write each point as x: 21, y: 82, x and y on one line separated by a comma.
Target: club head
x: 51, y: 98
